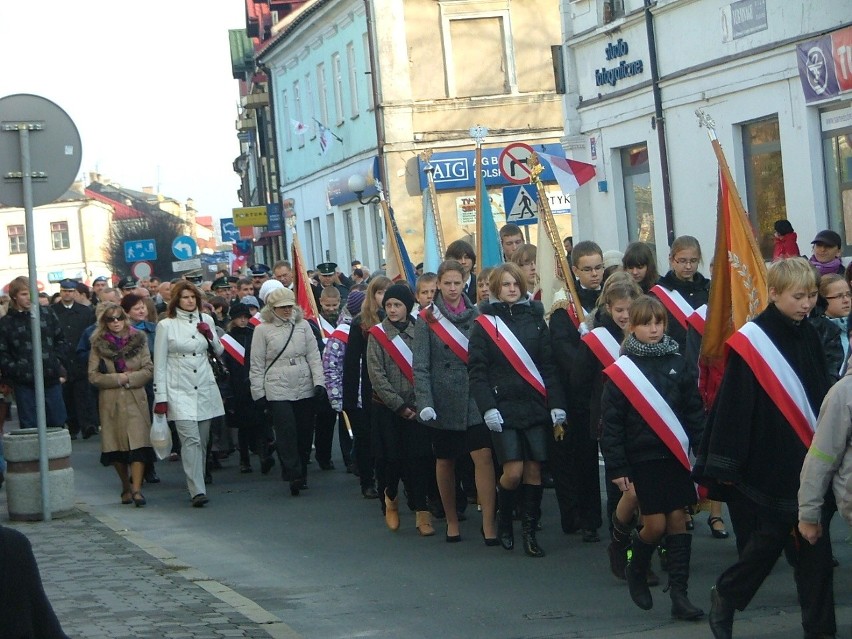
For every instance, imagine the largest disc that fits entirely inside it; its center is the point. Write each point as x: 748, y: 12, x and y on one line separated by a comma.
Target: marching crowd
x: 465, y: 389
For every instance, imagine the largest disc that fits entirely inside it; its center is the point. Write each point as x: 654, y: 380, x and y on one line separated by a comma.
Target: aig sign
x: 449, y: 170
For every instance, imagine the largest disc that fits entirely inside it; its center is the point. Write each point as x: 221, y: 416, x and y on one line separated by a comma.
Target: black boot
x: 678, y: 552
x: 721, y: 615
x: 617, y: 548
x: 636, y: 573
x: 531, y: 502
x: 505, y: 531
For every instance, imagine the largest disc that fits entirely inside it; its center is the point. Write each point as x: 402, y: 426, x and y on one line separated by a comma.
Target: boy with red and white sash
x: 399, y: 439
x: 652, y: 414
x: 758, y: 433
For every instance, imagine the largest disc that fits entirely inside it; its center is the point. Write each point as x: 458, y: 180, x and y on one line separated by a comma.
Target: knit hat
x: 783, y: 227
x: 355, y: 301
x: 250, y: 300
x: 267, y: 287
x: 402, y: 293
x: 239, y: 310
x: 612, y: 258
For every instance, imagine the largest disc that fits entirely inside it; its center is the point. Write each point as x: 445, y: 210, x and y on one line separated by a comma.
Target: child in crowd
x: 786, y: 241
x: 327, y: 417
x: 463, y: 253
x: 482, y: 285
x: 424, y: 291
x: 831, y: 319
x: 639, y: 260
x: 825, y: 258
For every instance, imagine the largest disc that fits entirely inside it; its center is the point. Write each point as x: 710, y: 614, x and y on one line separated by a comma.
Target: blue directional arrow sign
x: 184, y: 247
x: 230, y: 233
x: 140, y: 250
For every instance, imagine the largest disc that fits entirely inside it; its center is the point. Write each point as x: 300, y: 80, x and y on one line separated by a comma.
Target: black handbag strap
x: 286, y: 344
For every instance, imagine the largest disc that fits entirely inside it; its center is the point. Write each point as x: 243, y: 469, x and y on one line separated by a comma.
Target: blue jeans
x: 54, y: 405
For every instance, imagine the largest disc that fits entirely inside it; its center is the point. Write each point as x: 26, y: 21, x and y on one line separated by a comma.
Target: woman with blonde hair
x: 120, y: 366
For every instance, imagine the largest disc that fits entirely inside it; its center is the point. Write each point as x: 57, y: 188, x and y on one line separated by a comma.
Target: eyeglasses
x: 115, y: 318
x: 842, y: 296
x: 684, y: 261
x: 589, y: 269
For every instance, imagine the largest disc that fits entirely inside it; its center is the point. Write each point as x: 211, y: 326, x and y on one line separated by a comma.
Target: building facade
x: 745, y: 63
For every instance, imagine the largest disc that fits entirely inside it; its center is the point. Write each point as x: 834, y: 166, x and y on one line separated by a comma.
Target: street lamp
x: 358, y: 184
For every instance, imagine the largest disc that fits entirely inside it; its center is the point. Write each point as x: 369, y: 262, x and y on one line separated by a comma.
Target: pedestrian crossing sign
x: 521, y: 204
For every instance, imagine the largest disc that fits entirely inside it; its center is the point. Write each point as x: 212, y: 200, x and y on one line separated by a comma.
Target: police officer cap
x: 326, y: 268
x: 100, y: 278
x: 194, y: 276
x: 128, y: 282
x: 233, y: 279
x: 259, y: 270
x: 222, y: 282
x: 68, y: 284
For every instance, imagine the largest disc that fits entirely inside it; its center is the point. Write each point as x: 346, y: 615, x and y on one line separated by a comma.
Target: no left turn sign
x: 513, y: 163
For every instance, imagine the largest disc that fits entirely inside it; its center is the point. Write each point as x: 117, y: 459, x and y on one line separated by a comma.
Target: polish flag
x: 570, y: 174
x: 299, y: 128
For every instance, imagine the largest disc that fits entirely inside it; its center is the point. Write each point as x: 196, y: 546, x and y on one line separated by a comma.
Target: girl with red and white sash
x: 513, y: 381
x: 599, y: 348
x: 758, y: 433
x: 652, y: 414
x: 444, y: 401
x: 400, y: 440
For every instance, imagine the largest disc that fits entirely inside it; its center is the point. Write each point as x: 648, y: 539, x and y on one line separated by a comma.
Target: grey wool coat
x: 390, y: 386
x: 440, y: 376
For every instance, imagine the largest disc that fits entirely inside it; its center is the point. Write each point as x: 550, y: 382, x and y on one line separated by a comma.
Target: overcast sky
x: 148, y: 85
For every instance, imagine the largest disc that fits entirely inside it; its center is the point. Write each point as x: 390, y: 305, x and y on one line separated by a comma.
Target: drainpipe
x: 659, y: 121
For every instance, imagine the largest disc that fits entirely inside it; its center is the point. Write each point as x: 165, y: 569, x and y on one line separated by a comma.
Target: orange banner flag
x: 302, y: 285
x: 739, y: 290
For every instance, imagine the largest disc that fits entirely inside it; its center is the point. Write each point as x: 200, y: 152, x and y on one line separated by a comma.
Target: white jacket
x: 182, y: 374
x: 296, y: 372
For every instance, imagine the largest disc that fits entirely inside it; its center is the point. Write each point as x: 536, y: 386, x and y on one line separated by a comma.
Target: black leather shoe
x: 266, y: 465
x: 717, y: 534
x: 370, y: 493
x: 90, y: 432
x: 329, y: 465
x: 199, y: 500
x: 152, y: 477
x: 721, y: 615
x: 590, y: 536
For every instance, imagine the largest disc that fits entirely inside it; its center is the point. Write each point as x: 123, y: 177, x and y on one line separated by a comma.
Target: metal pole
x: 35, y: 322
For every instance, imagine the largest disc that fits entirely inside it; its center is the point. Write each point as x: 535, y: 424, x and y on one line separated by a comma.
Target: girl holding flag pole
x: 652, y: 413
x: 514, y: 383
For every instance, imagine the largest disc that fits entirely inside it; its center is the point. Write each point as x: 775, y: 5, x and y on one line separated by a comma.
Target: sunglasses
x: 114, y: 318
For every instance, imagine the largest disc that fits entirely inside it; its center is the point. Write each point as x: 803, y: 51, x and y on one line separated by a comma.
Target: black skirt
x: 529, y: 444
x: 662, y: 486
x: 452, y: 444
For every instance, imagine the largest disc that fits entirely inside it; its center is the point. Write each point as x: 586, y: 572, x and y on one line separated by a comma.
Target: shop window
x: 636, y: 173
x: 59, y: 236
x: 17, y: 239
x: 764, y: 180
x: 837, y: 150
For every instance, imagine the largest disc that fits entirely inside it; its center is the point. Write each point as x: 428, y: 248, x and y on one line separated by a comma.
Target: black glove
x: 261, y: 404
x: 319, y: 393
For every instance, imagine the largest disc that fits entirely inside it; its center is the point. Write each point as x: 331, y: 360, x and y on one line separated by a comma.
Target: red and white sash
x: 341, y: 333
x: 697, y: 319
x: 776, y: 377
x: 674, y: 303
x: 255, y: 321
x: 449, y: 333
x: 397, y: 349
x: 601, y: 342
x: 518, y: 357
x: 234, y: 348
x: 651, y: 405
x: 325, y: 327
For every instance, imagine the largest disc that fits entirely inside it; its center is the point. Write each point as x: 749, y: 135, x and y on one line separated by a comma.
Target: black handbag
x: 220, y: 371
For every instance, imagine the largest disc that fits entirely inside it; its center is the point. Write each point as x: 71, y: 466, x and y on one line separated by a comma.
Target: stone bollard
x: 23, y: 480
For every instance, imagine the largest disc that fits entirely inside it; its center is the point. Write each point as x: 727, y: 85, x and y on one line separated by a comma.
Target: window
x: 837, y: 149
x: 59, y: 235
x: 636, y: 174
x: 322, y: 94
x: 288, y: 121
x: 764, y: 179
x: 310, y: 110
x: 354, y: 108
x: 17, y: 239
x: 338, y: 88
x: 368, y: 66
x: 297, y: 108
x: 486, y: 39
x: 331, y: 234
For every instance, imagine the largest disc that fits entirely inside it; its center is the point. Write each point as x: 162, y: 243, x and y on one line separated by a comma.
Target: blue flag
x: 492, y: 252
x: 406, y: 269
x: 431, y: 253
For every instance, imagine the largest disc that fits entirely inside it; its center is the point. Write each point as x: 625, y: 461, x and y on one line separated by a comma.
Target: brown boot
x: 424, y: 523
x: 392, y: 512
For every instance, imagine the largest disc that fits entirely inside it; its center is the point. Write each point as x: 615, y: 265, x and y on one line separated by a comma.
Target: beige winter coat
x: 296, y: 372
x: 125, y: 417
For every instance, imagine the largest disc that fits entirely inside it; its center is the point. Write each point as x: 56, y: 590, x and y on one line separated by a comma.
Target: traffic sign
x: 187, y: 265
x: 184, y: 247
x: 513, y: 162
x: 521, y: 204
x: 138, y: 250
x: 141, y: 270
x: 230, y: 233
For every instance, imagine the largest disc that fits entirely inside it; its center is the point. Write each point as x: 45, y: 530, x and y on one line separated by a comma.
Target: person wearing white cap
x: 267, y: 287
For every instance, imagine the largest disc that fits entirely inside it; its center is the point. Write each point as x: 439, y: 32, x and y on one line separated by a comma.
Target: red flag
x: 302, y: 285
x: 570, y: 174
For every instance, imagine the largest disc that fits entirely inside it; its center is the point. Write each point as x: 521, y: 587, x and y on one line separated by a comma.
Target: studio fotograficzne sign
x: 624, y: 69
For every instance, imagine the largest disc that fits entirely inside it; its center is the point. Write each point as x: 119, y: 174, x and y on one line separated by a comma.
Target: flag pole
x: 478, y: 133
x: 426, y: 156
x: 303, y: 271
x: 546, y: 215
x: 390, y: 231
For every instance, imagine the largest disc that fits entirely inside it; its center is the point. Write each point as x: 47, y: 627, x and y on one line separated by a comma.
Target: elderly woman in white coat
x: 184, y: 387
x: 287, y: 380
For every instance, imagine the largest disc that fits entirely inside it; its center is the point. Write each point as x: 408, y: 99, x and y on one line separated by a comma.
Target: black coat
x: 748, y: 442
x: 697, y: 293
x: 74, y: 321
x: 830, y: 336
x: 494, y: 382
x: 16, y: 348
x: 355, y: 369
x: 627, y: 438
x: 565, y: 337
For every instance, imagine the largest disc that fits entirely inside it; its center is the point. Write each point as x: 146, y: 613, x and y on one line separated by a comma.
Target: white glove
x: 493, y: 419
x: 428, y: 414
x: 558, y: 416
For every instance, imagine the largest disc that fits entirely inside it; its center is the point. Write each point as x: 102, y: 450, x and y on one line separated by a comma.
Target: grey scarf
x: 633, y: 346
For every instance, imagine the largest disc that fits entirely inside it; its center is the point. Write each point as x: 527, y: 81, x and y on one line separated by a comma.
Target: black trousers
x: 362, y: 445
x: 76, y: 394
x: 765, y: 539
x: 293, y: 422
x: 406, y: 450
x: 326, y: 418
x: 576, y: 476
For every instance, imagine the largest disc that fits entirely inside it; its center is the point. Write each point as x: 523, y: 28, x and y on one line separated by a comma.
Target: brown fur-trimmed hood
x: 107, y: 350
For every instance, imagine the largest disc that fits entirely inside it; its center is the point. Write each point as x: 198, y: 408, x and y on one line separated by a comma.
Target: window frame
x: 337, y: 78
x: 20, y: 239
x: 63, y: 236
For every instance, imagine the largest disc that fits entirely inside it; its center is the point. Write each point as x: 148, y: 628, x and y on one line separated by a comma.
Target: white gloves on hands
x: 493, y: 419
x: 428, y: 414
x: 558, y: 416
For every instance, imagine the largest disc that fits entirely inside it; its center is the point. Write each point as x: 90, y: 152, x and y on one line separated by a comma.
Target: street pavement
x: 257, y: 562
